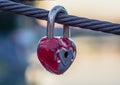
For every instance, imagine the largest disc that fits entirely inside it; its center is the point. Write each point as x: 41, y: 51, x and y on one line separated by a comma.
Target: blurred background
x: 98, y: 54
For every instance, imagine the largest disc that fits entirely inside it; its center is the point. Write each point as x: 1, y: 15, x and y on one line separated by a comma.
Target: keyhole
x: 66, y: 54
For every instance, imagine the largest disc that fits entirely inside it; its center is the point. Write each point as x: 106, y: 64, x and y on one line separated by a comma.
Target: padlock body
x: 56, y: 54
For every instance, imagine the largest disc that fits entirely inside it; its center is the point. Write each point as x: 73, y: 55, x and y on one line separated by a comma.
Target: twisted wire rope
x: 70, y: 20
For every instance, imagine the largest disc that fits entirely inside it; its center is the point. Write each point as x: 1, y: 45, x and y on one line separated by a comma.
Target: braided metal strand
x: 62, y: 18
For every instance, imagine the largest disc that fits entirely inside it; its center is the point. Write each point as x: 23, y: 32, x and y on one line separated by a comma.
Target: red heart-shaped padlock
x: 56, y: 53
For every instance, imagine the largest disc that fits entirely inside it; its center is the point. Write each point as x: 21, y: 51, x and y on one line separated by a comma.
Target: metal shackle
x: 51, y: 20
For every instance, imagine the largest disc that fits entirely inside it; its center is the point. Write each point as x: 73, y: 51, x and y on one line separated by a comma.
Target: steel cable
x: 70, y: 20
